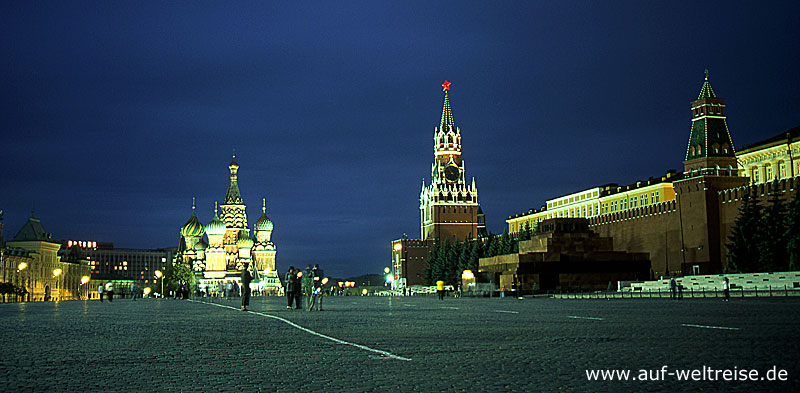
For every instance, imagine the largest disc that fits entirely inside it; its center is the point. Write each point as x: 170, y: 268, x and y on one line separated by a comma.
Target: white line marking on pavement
x: 408, y: 305
x: 450, y: 308
x: 591, y: 318
x: 709, y: 327
x: 307, y: 330
x: 510, y: 312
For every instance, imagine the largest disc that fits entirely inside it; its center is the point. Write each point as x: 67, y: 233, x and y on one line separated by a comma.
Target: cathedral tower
x: 263, y: 249
x: 215, y: 253
x: 449, y: 205
x: 234, y: 216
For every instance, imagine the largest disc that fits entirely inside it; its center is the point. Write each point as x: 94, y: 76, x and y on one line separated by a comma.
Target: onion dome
x: 215, y: 227
x: 263, y: 223
x: 244, y: 240
x: 193, y: 227
x: 200, y: 246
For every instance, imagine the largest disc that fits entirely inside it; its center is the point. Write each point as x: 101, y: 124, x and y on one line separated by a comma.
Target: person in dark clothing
x: 290, y: 286
x: 246, y: 278
x: 318, y: 280
x: 296, y: 288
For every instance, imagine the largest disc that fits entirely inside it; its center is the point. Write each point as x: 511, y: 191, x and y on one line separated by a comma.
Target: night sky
x: 115, y: 114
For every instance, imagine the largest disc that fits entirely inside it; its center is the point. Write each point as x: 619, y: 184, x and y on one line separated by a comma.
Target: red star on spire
x: 445, y: 85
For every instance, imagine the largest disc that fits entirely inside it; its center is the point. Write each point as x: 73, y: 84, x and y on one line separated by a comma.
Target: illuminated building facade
x: 31, y: 261
x: 229, y: 244
x: 682, y: 220
x: 772, y: 159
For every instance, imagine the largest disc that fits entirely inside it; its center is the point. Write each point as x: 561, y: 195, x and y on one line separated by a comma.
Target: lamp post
x: 56, y: 273
x: 20, y: 268
x: 158, y: 276
x: 85, y: 280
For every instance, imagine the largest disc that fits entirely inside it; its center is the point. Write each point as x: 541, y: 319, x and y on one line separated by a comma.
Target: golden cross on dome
x: 445, y: 85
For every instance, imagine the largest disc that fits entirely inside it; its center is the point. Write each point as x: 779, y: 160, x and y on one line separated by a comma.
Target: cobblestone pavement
x: 469, y: 345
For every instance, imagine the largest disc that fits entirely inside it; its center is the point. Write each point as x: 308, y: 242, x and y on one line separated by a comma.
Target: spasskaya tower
x: 448, y: 206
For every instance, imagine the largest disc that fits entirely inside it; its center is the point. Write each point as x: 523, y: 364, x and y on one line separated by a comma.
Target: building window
x: 768, y: 168
x: 645, y: 199
x: 783, y: 170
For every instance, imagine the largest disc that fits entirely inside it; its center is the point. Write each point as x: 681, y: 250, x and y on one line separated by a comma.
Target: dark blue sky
x: 114, y: 115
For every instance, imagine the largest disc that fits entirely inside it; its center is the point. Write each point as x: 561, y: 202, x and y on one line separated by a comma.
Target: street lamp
x: 56, y: 273
x: 20, y: 268
x: 158, y: 276
x: 84, y: 280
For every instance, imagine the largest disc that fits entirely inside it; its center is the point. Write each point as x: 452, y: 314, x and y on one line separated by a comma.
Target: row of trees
x: 765, y: 238
x: 7, y: 288
x: 448, y: 260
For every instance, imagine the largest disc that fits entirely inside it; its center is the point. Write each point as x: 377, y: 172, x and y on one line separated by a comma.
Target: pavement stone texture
x: 454, y: 345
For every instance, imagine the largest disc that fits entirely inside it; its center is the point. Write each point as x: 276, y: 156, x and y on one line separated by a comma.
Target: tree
x: 792, y: 234
x: 434, y: 268
x: 176, y: 272
x: 526, y: 233
x: 773, y: 256
x: 745, y: 238
x: 474, y: 256
x: 492, y: 246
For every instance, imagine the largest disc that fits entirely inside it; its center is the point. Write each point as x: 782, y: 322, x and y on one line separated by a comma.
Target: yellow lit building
x: 771, y: 159
x: 31, y: 261
x: 598, y: 201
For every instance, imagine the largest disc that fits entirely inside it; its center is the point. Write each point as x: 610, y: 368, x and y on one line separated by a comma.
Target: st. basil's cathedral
x: 228, y: 246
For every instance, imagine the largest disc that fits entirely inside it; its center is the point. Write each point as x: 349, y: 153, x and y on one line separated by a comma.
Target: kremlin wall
x: 682, y: 220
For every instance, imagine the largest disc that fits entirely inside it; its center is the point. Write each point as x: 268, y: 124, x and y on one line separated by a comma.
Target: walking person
x: 316, y: 288
x: 100, y: 292
x: 440, y: 289
x: 726, y: 288
x: 246, y: 278
x: 298, y: 288
x: 290, y: 284
x: 109, y: 291
x: 133, y: 291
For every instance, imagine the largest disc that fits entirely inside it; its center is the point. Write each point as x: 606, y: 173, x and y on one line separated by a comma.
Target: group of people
x: 310, y: 284
x: 676, y: 290
x: 106, y: 290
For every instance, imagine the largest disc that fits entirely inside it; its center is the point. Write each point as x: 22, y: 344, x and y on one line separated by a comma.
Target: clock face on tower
x: 451, y: 173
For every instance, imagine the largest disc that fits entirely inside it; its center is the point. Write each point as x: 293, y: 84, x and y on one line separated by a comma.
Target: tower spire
x: 710, y: 146
x: 447, y: 115
x: 233, y: 197
x: 706, y: 91
x: 264, y: 205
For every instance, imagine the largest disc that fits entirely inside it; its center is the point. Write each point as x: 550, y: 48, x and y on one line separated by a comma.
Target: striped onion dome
x: 201, y: 245
x: 193, y: 227
x: 215, y: 227
x: 244, y: 240
x: 264, y: 223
